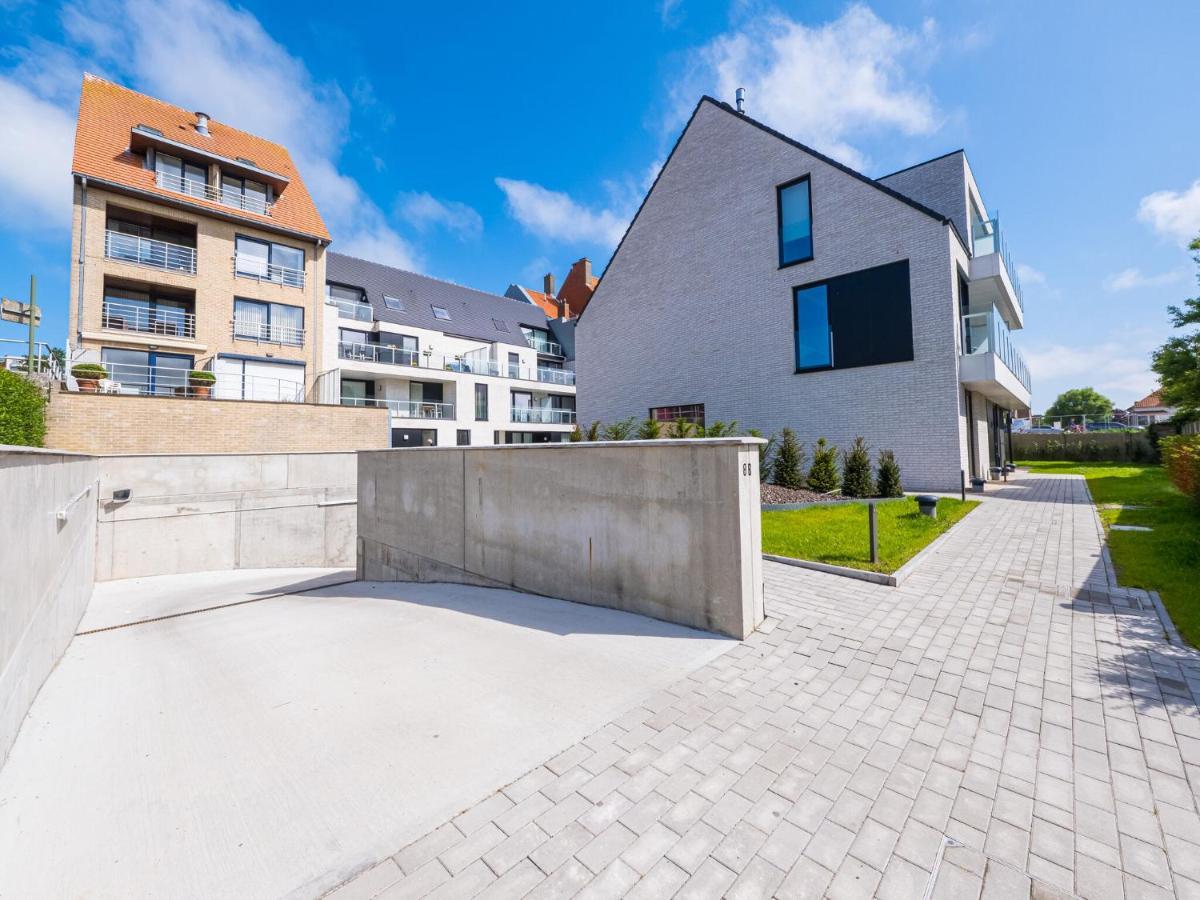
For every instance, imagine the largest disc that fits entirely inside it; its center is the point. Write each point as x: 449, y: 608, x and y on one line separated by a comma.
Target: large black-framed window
x: 275, y: 323
x: 858, y: 319
x: 794, y: 208
x: 268, y: 261
x: 481, y: 402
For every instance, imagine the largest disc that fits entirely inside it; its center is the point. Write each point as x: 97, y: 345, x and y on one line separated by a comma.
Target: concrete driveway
x: 274, y: 748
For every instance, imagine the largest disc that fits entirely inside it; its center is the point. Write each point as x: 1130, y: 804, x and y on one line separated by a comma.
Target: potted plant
x: 89, y: 376
x: 201, y: 382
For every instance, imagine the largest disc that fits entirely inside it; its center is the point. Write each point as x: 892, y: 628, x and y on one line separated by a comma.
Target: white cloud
x: 35, y: 159
x: 554, y: 215
x: 1133, y: 278
x: 669, y: 12
x: 424, y: 211
x: 1175, y: 214
x: 1119, y: 369
x: 1029, y: 275
x: 201, y: 54
x: 824, y: 85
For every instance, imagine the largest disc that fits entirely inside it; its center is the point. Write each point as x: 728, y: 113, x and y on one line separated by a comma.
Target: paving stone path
x: 1007, y: 723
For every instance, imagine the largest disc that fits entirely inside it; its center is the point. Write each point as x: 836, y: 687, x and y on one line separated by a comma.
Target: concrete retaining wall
x: 46, y: 566
x: 668, y: 529
x: 191, y: 513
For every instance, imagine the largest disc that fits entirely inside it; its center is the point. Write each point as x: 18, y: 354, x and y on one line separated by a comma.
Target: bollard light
x: 928, y: 505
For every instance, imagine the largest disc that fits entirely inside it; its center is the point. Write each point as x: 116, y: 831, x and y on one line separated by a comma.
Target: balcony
x: 541, y: 345
x: 405, y: 409
x: 194, y: 187
x: 466, y: 364
x: 359, y: 312
x: 255, y: 267
x: 994, y: 279
x: 156, y: 320
x: 267, y: 332
x: 542, y: 415
x: 991, y: 363
x: 378, y: 353
x: 146, y: 252
x: 556, y: 376
x: 171, y: 381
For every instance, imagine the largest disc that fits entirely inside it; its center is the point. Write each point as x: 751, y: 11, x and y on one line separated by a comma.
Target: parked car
x: 1107, y: 426
x: 1043, y: 429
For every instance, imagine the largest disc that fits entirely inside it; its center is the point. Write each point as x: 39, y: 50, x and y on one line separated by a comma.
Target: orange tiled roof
x: 1149, y: 401
x: 107, y: 114
x: 547, y: 302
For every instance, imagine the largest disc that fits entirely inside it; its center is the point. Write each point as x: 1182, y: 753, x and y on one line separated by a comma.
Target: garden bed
x: 836, y: 534
x: 774, y: 493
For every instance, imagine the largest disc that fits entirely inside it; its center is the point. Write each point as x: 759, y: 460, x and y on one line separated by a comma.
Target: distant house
x: 1149, y: 410
x: 570, y: 301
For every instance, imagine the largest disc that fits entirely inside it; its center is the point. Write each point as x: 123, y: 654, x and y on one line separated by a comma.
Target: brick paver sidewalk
x: 1008, y: 721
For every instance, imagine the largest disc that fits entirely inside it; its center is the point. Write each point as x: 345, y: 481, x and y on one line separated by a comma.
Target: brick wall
x: 113, y: 423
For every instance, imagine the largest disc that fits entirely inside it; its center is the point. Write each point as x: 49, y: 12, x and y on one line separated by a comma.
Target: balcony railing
x: 987, y: 332
x: 256, y: 267
x: 147, y: 252
x: 160, y: 320
x: 267, y: 332
x: 986, y: 237
x: 541, y: 345
x: 360, y: 312
x: 556, y: 376
x: 467, y: 364
x: 14, y: 356
x: 194, y: 187
x: 379, y: 353
x: 169, y: 381
x: 543, y: 415
x: 406, y: 409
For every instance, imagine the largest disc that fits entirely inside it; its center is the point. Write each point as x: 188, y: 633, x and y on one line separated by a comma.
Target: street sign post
x: 24, y: 314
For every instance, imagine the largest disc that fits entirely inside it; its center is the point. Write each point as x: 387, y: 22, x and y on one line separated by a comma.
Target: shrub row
x: 1112, y: 447
x: 855, y: 478
x: 1181, y: 458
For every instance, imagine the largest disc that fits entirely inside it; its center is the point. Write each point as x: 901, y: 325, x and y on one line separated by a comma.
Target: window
x: 357, y: 393
x: 481, y: 402
x: 274, y: 323
x: 146, y: 311
x: 859, y: 319
x: 176, y: 175
x: 794, y: 200
x: 464, y: 438
x: 267, y: 261
x: 439, y: 312
x: 343, y: 294
x: 147, y: 372
x: 244, y: 193
x: 500, y: 325
x: 814, y: 341
x: 689, y: 412
x: 393, y: 303
x: 514, y: 365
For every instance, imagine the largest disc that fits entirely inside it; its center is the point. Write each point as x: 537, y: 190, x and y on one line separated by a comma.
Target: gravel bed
x: 773, y: 493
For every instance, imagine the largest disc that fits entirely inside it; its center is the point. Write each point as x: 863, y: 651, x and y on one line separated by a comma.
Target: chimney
x: 564, y: 309
x: 587, y: 269
x: 740, y: 97
x: 202, y: 123
x: 548, y: 284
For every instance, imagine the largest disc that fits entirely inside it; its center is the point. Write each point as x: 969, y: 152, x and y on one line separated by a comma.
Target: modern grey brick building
x: 764, y: 282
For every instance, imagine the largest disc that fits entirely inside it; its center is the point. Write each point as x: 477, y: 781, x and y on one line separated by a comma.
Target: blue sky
x: 489, y: 143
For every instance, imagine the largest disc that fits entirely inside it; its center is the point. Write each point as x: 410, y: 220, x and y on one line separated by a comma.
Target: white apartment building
x: 455, y: 366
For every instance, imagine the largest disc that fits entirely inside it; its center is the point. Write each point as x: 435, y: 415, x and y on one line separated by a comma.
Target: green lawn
x: 837, y: 534
x: 1167, y: 559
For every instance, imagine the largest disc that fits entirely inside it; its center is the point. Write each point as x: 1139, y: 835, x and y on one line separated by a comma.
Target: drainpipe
x: 80, y: 261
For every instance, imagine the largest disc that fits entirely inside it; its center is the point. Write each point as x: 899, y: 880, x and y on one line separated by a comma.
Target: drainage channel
x: 195, y: 612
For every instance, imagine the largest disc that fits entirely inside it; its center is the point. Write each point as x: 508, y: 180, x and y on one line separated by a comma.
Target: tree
x: 856, y: 470
x: 649, y: 430
x: 1081, y: 402
x: 1177, y: 362
x: 765, y: 452
x: 888, y: 484
x: 788, y: 470
x: 823, y: 476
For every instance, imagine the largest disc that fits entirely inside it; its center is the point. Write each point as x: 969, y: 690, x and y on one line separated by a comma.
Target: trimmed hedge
x: 1181, y: 458
x: 1085, y: 447
x: 22, y: 411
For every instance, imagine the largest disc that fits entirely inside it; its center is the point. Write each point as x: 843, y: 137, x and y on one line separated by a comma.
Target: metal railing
x: 14, y: 357
x: 986, y: 237
x: 267, y: 332
x: 147, y: 252
x: 347, y: 309
x: 166, y: 381
x: 543, y: 415
x: 464, y: 363
x: 194, y: 187
x: 541, y: 345
x: 987, y: 332
x: 162, y: 320
x: 256, y: 267
x: 405, y: 409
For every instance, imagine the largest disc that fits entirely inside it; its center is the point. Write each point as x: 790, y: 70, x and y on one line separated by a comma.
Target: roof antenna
x: 741, y: 100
